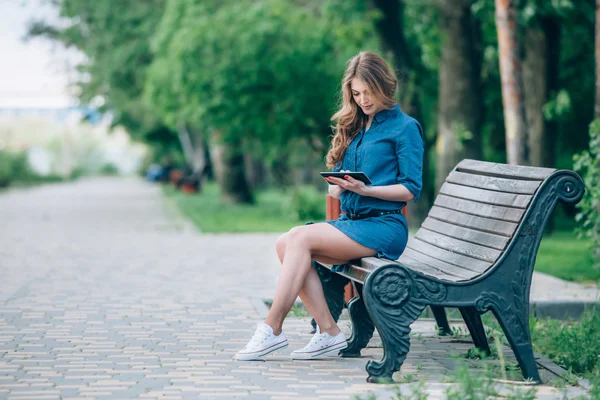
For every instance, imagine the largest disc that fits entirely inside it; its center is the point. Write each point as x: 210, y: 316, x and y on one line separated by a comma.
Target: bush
x: 109, y: 169
x: 308, y: 203
x: 588, y: 166
x: 15, y: 169
x: 572, y: 345
x: 6, y: 169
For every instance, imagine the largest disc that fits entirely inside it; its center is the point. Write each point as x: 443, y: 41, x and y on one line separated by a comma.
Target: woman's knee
x: 297, y: 236
x: 280, y: 245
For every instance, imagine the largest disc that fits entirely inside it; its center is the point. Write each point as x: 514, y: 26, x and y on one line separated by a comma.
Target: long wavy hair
x: 350, y: 119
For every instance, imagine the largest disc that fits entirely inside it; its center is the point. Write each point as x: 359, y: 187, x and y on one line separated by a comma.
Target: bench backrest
x: 474, y: 218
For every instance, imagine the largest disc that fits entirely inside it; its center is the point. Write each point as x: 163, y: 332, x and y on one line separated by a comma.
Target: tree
x: 390, y: 26
x: 540, y: 73
x: 543, y: 23
x: 460, y: 98
x: 597, y: 52
x: 512, y: 82
x: 250, y: 73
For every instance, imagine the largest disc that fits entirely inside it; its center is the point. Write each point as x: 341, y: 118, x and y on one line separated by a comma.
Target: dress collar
x: 385, y: 114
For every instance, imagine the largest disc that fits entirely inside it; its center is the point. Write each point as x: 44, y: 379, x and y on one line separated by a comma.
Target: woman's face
x: 362, y: 97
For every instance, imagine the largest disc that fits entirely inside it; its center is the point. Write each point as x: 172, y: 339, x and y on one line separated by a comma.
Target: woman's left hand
x: 349, y: 183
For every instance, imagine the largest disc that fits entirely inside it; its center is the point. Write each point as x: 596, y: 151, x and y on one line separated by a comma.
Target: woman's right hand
x: 335, y: 190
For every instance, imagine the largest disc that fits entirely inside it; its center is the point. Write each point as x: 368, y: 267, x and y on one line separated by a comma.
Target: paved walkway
x: 104, y: 295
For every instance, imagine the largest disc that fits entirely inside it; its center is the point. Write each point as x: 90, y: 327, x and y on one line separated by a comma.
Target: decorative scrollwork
x: 395, y: 297
x: 392, y: 286
x: 487, y: 300
x: 570, y: 188
x: 429, y: 290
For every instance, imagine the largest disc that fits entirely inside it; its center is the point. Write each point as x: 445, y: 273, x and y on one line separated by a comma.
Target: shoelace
x: 315, y: 339
x: 257, y: 339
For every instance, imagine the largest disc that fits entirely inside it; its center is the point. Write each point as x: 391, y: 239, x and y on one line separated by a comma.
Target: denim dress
x: 390, y: 152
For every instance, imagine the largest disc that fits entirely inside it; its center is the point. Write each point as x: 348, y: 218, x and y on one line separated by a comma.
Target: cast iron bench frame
x: 392, y: 294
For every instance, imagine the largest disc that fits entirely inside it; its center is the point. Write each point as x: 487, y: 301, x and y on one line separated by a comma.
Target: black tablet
x: 356, y: 175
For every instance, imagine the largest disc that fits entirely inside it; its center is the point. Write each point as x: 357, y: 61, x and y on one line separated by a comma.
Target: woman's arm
x: 397, y: 192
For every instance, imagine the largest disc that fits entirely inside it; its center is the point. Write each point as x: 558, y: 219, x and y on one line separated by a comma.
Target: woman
x: 371, y: 135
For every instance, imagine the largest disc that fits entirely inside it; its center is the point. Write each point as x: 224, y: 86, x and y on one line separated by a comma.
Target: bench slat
x: 469, y: 235
x: 354, y: 272
x: 425, y: 269
x: 483, y: 210
x: 439, y: 269
x: 504, y: 170
x: 420, y: 263
x: 459, y: 260
x: 486, y: 196
x: 493, y: 183
x: 458, y: 246
x: 473, y: 221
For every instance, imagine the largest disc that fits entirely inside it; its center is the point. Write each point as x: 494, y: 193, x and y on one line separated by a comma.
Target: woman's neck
x: 369, y: 120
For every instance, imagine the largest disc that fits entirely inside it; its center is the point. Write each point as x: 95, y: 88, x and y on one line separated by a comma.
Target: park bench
x: 475, y: 251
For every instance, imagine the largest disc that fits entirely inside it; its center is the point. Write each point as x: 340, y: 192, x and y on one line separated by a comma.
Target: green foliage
x: 572, y: 345
x: 558, y: 107
x: 6, y: 169
x: 15, y: 170
x: 481, y: 386
x: 258, y: 70
x: 108, y: 169
x: 210, y: 214
x: 307, y: 203
x: 588, y: 166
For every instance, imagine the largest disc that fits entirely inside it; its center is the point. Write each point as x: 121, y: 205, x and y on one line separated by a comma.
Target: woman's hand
x: 348, y: 183
x: 335, y: 191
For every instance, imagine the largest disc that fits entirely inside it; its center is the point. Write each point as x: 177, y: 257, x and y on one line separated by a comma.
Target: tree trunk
x: 597, y: 103
x: 193, y: 147
x: 540, y: 79
x: 460, y: 100
x: 512, y: 82
x: 256, y: 171
x: 228, y: 165
x: 391, y: 31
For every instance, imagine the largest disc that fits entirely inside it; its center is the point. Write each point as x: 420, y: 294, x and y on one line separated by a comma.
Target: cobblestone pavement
x: 104, y: 295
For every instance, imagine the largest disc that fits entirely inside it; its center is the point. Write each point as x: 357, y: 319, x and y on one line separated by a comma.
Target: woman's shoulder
x: 402, y: 123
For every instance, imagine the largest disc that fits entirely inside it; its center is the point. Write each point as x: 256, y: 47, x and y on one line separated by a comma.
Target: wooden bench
x: 475, y: 251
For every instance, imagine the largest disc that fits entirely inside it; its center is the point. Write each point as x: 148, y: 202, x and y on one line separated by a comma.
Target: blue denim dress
x: 390, y: 152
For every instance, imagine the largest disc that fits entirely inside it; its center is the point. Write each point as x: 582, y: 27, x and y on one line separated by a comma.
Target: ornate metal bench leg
x: 516, y: 328
x: 362, y: 326
x: 333, y: 288
x: 473, y: 320
x: 394, y: 300
x: 442, y: 321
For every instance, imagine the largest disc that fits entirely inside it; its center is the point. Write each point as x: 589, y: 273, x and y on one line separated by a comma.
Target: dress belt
x: 374, y: 213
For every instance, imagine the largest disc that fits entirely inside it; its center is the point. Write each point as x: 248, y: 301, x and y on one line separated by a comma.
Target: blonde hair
x: 350, y: 119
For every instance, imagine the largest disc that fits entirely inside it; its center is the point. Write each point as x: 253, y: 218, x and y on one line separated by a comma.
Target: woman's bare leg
x: 296, y: 249
x: 311, y: 293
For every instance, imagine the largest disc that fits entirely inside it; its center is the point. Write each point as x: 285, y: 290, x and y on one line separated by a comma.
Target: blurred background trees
x: 249, y: 86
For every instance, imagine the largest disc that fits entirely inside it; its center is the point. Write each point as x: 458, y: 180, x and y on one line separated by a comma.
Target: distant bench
x: 475, y: 251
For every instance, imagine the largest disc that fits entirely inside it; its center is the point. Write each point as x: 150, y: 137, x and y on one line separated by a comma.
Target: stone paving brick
x: 105, y: 296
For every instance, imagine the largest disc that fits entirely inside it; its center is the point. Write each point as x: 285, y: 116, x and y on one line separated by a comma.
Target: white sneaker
x: 319, y: 345
x: 262, y: 343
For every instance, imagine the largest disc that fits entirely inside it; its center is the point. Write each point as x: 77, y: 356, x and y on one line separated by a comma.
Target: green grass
x: 574, y: 345
x: 565, y: 256
x: 271, y: 213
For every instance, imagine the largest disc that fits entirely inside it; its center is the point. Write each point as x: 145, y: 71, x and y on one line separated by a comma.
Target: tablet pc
x: 356, y: 175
